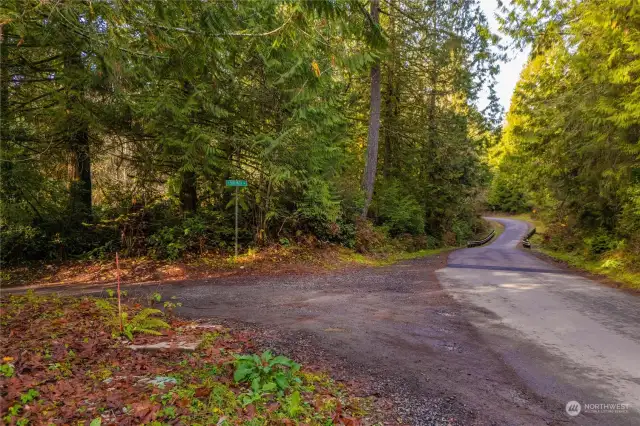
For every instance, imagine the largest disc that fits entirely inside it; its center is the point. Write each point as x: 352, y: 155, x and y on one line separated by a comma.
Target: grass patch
x: 609, y: 265
x: 386, y: 259
x: 61, y: 362
x: 497, y: 227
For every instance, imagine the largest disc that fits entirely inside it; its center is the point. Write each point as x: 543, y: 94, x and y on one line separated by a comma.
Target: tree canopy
x: 121, y: 122
x: 571, y: 142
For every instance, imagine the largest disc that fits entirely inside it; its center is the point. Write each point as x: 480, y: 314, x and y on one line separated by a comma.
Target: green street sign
x: 236, y: 183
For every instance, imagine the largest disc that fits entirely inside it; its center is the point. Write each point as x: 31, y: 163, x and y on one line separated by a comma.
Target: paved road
x: 520, y: 339
x: 392, y: 329
x: 568, y: 337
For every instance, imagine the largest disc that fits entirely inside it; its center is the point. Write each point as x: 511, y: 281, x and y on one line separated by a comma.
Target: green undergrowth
x: 63, y: 360
x: 498, y: 229
x: 540, y: 226
x: 389, y: 258
x: 488, y: 226
x: 610, y: 266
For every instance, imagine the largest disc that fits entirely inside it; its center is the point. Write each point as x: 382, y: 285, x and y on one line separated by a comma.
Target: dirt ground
x: 392, y: 329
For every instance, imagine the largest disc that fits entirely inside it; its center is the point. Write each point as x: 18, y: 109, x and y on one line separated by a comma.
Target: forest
x: 121, y: 122
x: 319, y: 212
x: 570, y: 147
x: 350, y: 121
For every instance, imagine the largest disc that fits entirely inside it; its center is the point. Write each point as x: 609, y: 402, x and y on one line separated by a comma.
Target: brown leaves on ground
x: 61, y: 365
x: 305, y: 258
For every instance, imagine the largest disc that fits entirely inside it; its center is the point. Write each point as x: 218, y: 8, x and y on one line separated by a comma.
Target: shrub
x: 168, y: 243
x: 24, y: 242
x: 367, y: 237
x: 52, y: 239
x: 600, y: 243
x: 399, y: 212
x: 561, y: 237
x: 146, y: 321
x: 318, y: 211
x: 194, y: 234
x: 462, y: 230
x: 266, y: 374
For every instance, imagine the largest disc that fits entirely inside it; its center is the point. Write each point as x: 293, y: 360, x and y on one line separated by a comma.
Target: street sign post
x: 236, y: 183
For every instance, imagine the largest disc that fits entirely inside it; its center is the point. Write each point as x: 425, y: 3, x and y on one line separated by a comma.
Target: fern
x: 145, y: 322
x: 105, y: 306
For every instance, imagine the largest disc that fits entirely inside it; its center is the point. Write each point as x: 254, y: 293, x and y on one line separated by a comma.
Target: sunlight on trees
x: 121, y: 122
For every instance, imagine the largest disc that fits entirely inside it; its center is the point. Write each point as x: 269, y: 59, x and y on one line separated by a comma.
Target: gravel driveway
x: 393, y: 328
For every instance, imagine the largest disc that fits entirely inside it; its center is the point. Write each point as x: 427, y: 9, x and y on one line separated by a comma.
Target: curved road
x: 522, y: 339
x: 568, y: 337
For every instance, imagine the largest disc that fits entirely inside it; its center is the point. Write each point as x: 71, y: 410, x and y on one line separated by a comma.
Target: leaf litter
x: 64, y: 362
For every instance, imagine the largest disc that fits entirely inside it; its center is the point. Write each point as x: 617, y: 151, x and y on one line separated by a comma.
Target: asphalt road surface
x: 567, y: 337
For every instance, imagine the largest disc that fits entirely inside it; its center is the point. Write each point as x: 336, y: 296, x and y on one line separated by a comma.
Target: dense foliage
x: 121, y: 122
x: 571, y: 143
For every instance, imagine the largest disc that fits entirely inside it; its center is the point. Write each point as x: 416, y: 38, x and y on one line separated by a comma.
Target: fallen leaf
x: 202, y: 392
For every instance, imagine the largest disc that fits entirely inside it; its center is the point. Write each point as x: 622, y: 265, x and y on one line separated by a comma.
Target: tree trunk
x: 429, y: 154
x: 78, y: 145
x: 188, y: 192
x: 80, y: 173
x: 369, y: 178
x: 390, y: 102
x: 4, y: 79
x: 388, y: 125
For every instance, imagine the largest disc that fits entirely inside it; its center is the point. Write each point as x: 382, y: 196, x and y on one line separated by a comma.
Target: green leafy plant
x: 266, y: 373
x: 285, y: 242
x: 6, y: 370
x: 29, y: 396
x: 170, y: 306
x: 146, y: 321
x: 294, y: 404
x: 400, y: 212
x: 12, y: 413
